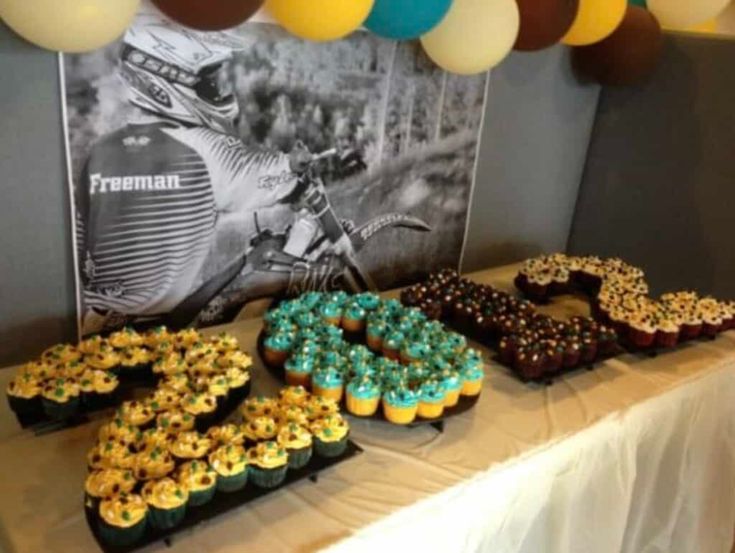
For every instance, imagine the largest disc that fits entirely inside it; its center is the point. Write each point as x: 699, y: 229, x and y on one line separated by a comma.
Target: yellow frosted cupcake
x: 259, y: 429
x: 153, y: 464
x: 231, y: 465
x: 330, y: 436
x: 122, y: 519
x: 200, y: 479
x: 166, y: 500
x: 189, y: 445
x: 268, y: 464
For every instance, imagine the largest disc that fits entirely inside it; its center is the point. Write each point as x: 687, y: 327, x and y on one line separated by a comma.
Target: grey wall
x: 37, y: 304
x: 534, y: 144
x: 535, y: 139
x: 659, y: 186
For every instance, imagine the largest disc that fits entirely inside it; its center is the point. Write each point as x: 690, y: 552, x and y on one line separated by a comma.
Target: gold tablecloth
x: 41, y: 478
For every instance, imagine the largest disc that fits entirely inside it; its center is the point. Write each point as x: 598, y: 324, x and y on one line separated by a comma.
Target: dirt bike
x: 317, y: 252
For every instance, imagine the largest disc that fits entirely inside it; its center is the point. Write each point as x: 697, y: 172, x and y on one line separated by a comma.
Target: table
x: 637, y: 456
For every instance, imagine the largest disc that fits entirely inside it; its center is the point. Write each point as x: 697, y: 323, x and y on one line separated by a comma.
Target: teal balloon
x: 406, y: 19
x: 641, y: 3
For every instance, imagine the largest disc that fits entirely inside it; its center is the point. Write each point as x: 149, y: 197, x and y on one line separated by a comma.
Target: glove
x: 300, y: 158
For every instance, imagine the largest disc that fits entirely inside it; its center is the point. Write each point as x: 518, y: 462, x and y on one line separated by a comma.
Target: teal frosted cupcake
x: 452, y: 384
x: 472, y: 373
x: 365, y: 367
x: 358, y: 353
x: 276, y: 348
x: 268, y: 463
x: 331, y: 313
x: 415, y: 352
x: 200, y: 479
x: 392, y: 308
x: 330, y: 337
x: 431, y: 400
x: 330, y: 436
x: 363, y: 396
x: 353, y: 318
x: 393, y: 344
x: 328, y: 382
x: 376, y: 329
x: 306, y: 319
x: 453, y: 343
x: 400, y: 405
x: 311, y: 299
x: 231, y: 465
x: 122, y: 519
x: 272, y: 317
x: 166, y: 500
x: 297, y: 441
x: 368, y: 301
x: 299, y: 369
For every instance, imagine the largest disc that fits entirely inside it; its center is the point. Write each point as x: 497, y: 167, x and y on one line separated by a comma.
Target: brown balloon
x: 627, y: 56
x: 544, y: 22
x: 209, y: 15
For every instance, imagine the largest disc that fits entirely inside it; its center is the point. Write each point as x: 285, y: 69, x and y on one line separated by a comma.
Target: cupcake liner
x: 399, y: 415
x: 430, y: 410
x: 25, y: 406
x: 201, y: 497
x: 61, y: 411
x: 690, y: 331
x: 203, y: 421
x: 94, y: 401
x: 361, y: 407
x: 163, y: 519
x: 267, y: 478
x: 121, y: 537
x: 330, y: 449
x: 666, y: 339
x: 299, y: 458
x: 142, y: 372
x: 233, y: 483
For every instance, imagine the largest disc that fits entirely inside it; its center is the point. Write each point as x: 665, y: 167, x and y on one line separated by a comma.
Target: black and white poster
x: 209, y: 170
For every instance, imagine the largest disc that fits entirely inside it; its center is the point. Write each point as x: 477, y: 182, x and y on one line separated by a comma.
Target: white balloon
x: 680, y: 14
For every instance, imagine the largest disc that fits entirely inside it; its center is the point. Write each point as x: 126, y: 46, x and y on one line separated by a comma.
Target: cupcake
x: 153, y: 438
x: 259, y: 429
x: 237, y: 358
x: 189, y: 446
x: 125, y: 338
x: 137, y: 413
x: 153, y: 464
x: 667, y: 333
x: 224, y: 342
x: 230, y: 464
x: 199, y: 479
x: 105, y: 385
x: 376, y: 329
x: 432, y: 398
x: 452, y: 384
x: 293, y: 395
x: 171, y: 363
x: 363, y: 396
x: 156, y: 336
x: 24, y: 394
x: 415, y: 352
x: 91, y: 344
x: 60, y: 398
x: 400, y: 405
x: 164, y: 399
x: 176, y: 383
x: 331, y: 313
x: 110, y: 455
x: 330, y: 436
x: 166, y: 500
x: 368, y: 301
x: 40, y: 370
x: 106, y: 483
x: 392, y: 345
x: 318, y: 407
x: 276, y: 348
x: 200, y: 352
x: 175, y: 421
x: 134, y: 361
x: 259, y: 406
x: 60, y: 354
x: 353, y: 318
x: 104, y: 359
x: 472, y: 374
x: 237, y: 382
x: 219, y: 387
x: 225, y: 434
x: 298, y: 369
x: 328, y: 382
x: 642, y: 333
x: 691, y: 327
x: 297, y: 441
x: 292, y: 413
x: 186, y: 338
x: 202, y: 406
x: 268, y: 464
x: 118, y: 430
x: 122, y: 519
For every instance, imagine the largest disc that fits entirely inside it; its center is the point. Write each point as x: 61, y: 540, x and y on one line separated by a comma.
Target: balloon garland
x: 212, y: 15
x: 544, y: 22
x: 320, y: 20
x: 69, y: 25
x: 596, y: 20
x: 626, y: 56
x: 406, y: 19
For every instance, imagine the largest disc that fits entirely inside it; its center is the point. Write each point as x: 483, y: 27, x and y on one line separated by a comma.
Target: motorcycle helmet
x: 180, y: 74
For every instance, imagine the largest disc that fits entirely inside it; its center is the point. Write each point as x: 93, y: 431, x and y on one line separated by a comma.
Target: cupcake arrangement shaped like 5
x: 401, y: 350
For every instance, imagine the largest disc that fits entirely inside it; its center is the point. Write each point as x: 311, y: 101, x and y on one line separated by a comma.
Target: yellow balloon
x: 69, y: 25
x: 707, y: 27
x: 320, y: 20
x: 680, y: 14
x: 474, y: 36
x: 596, y: 20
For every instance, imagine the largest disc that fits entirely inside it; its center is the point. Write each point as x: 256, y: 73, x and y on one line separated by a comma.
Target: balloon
x: 474, y: 36
x: 320, y: 19
x: 679, y: 14
x: 69, y: 25
x: 706, y: 27
x: 544, y: 22
x: 626, y: 56
x: 406, y: 19
x: 596, y: 19
x: 209, y: 15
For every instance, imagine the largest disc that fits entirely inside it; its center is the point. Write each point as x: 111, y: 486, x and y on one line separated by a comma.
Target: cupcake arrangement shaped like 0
x: 375, y: 355
x: 149, y: 478
x: 535, y: 346
x: 620, y: 298
x: 195, y: 376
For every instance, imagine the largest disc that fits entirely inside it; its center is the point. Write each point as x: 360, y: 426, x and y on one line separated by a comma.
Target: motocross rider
x: 151, y: 193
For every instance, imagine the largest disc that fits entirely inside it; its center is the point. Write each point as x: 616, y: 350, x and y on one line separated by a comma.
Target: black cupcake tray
x: 40, y: 423
x: 223, y: 503
x: 464, y: 404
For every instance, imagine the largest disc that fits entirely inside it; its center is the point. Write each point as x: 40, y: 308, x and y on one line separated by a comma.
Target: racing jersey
x: 147, y: 207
